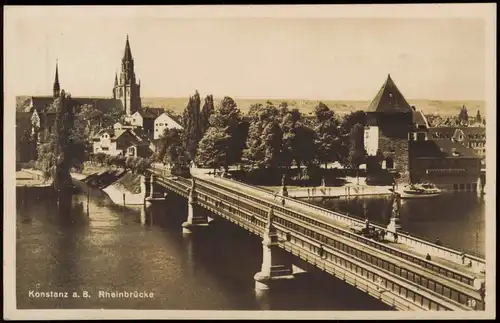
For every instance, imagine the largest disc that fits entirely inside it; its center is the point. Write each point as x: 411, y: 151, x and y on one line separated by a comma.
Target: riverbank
x: 124, y: 190
x: 31, y: 178
x: 351, y: 188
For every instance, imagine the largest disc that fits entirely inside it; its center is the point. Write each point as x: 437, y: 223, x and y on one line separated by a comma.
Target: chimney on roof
x: 413, y: 108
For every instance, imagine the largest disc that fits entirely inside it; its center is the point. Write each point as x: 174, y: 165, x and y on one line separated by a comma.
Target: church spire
x: 128, y: 53
x: 116, y: 79
x: 57, y: 88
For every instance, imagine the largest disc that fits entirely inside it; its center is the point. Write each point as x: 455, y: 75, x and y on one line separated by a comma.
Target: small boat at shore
x: 421, y: 190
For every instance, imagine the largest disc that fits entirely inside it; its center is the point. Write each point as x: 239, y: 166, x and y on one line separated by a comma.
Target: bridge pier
x: 194, y: 220
x: 145, y: 187
x: 273, y: 268
x: 149, y: 195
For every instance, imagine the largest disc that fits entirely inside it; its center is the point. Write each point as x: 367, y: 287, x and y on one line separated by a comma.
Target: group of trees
x: 195, y: 122
x: 65, y: 147
x: 268, y: 137
x: 180, y: 146
x: 137, y: 165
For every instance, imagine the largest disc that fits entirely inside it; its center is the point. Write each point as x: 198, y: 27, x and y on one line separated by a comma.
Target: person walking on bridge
x: 283, y: 202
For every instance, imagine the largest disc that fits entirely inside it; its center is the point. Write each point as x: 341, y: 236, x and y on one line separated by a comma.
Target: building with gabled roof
x: 126, y: 96
x: 446, y: 163
x: 162, y: 122
x: 118, y: 141
x: 471, y: 137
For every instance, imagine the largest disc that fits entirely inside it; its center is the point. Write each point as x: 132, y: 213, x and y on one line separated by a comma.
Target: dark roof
x: 43, y: 103
x: 40, y: 103
x: 151, y: 113
x: 440, y: 149
x: 175, y: 117
x: 98, y: 103
x: 473, y: 130
x: 471, y: 133
x: 389, y: 99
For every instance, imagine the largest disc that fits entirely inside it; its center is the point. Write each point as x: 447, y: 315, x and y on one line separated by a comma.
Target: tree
x: 171, y: 148
x: 213, y: 148
x: 65, y: 147
x: 327, y: 139
x: 227, y: 119
x: 191, y: 125
x: 463, y: 116
x: 298, y: 140
x: 207, y: 110
x: 263, y: 144
x: 478, y: 116
x: 352, y: 119
x: 95, y: 119
x: 357, y: 153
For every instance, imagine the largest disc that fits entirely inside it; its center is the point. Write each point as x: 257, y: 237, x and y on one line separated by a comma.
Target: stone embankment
x: 121, y: 187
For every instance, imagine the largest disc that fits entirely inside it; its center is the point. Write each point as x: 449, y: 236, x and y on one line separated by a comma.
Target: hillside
x: 444, y: 108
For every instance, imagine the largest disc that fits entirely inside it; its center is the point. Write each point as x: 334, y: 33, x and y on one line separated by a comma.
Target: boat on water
x: 420, y: 190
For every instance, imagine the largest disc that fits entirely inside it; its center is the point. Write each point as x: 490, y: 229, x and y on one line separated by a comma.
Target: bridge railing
x: 344, y: 232
x: 403, y: 237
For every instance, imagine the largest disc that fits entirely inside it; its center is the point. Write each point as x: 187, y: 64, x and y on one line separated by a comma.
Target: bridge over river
x: 396, y: 272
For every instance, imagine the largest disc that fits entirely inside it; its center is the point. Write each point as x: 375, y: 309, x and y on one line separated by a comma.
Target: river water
x: 456, y: 218
x: 115, y: 249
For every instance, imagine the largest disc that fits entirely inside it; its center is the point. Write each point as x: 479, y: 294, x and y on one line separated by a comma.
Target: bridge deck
x: 304, y: 209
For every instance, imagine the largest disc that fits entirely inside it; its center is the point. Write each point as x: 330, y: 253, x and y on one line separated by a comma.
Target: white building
x: 105, y: 142
x: 135, y: 119
x: 163, y: 122
x: 371, y: 140
x: 118, y: 141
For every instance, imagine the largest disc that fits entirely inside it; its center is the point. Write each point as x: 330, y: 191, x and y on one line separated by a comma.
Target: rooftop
x: 440, y: 149
x: 389, y: 99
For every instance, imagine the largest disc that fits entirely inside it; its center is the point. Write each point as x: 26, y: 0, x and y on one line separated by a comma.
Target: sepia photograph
x: 281, y: 162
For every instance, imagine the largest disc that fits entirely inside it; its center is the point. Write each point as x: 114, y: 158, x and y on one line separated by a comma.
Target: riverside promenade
x: 351, y: 188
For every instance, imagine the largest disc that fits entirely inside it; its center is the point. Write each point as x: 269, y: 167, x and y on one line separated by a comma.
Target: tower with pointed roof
x: 56, y: 88
x: 391, y: 125
x: 126, y: 89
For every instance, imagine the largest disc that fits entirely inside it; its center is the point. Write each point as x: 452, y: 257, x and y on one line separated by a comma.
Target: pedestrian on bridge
x: 438, y: 242
x: 395, y: 237
x: 428, y: 257
x: 283, y: 202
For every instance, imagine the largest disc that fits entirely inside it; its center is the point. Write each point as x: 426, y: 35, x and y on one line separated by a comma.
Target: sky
x: 264, y: 55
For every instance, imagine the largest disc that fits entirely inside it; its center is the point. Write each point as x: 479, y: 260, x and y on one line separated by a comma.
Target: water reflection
x: 454, y: 218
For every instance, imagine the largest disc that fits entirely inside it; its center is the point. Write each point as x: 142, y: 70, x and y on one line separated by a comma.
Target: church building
x: 39, y: 112
x: 126, y: 89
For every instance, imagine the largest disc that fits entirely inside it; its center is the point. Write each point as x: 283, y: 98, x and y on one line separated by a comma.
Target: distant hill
x: 341, y: 107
